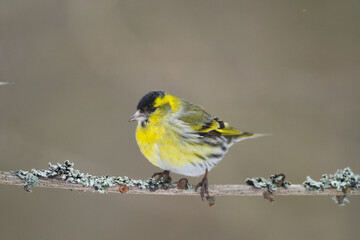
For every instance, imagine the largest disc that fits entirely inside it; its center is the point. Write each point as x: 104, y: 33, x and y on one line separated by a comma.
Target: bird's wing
x: 218, y: 127
x: 204, y: 124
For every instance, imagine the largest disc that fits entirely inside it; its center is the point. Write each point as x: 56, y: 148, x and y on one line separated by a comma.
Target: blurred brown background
x: 290, y: 68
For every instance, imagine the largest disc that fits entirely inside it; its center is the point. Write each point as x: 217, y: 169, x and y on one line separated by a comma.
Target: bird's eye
x: 152, y: 109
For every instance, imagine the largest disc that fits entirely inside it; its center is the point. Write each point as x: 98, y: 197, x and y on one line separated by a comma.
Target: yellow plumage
x: 180, y: 137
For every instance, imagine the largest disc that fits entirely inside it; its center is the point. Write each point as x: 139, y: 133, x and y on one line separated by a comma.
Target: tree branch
x: 8, y: 178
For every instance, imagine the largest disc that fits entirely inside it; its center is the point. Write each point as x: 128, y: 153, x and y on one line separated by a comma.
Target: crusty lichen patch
x: 343, y: 180
x: 30, y: 179
x: 67, y: 173
x: 272, y: 184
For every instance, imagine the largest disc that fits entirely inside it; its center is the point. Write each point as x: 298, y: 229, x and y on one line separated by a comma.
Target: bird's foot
x: 204, y: 186
x: 164, y: 176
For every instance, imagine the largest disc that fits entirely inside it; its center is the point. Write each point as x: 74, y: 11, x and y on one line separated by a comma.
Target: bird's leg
x: 165, y: 175
x: 204, y: 186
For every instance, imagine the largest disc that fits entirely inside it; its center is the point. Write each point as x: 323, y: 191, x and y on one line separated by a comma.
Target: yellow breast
x: 148, y: 139
x: 161, y: 146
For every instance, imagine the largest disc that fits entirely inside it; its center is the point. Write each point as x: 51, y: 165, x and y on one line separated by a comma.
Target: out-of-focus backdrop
x: 290, y: 68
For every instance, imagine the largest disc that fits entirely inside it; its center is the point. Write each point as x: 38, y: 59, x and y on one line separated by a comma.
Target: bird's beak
x: 138, y: 116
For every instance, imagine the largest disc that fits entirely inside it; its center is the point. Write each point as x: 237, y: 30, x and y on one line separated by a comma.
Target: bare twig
x: 8, y: 178
x: 5, y: 83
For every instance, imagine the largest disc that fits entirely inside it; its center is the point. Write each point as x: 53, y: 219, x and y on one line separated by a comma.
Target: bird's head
x: 154, y: 107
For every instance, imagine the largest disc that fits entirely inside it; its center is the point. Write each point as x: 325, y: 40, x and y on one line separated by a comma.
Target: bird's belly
x: 182, y: 157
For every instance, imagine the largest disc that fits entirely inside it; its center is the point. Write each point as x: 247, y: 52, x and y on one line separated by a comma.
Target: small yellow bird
x: 178, y: 136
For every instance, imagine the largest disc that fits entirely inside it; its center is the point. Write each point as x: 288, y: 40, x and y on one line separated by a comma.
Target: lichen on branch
x: 67, y: 173
x: 64, y: 176
x: 343, y: 180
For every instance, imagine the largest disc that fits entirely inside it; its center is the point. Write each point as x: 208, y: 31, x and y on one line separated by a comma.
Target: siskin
x: 178, y: 136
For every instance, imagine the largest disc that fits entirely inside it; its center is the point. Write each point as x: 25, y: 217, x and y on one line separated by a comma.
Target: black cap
x: 149, y: 98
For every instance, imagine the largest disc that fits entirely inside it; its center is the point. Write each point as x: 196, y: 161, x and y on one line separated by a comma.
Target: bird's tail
x: 247, y: 135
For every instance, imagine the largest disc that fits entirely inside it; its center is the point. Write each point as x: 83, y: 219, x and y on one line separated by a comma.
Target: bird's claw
x: 204, y: 187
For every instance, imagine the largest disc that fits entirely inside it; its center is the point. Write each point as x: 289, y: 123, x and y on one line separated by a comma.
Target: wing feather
x: 205, y: 124
x: 222, y: 128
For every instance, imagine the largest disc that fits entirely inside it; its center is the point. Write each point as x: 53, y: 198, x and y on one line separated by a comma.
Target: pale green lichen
x: 272, y: 184
x: 67, y: 173
x: 343, y: 180
x: 30, y: 180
